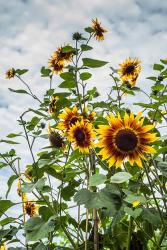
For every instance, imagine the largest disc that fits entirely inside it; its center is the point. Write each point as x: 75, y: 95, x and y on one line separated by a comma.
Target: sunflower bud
x: 160, y: 78
x: 77, y: 36
x: 56, y: 140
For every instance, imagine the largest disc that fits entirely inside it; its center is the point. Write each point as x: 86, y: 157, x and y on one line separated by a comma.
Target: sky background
x: 32, y: 29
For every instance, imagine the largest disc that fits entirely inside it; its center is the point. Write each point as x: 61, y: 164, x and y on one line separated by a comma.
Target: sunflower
x: 31, y: 208
x: 81, y: 135
x: 55, y: 138
x: 98, y: 30
x: 20, y: 193
x: 10, y: 73
x: 57, y: 67
x: 61, y: 56
x: 125, y: 138
x: 68, y: 117
x: 129, y: 70
x: 52, y: 104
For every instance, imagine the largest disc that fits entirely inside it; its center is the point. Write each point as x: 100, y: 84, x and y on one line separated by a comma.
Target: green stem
x: 69, y: 237
x: 129, y: 233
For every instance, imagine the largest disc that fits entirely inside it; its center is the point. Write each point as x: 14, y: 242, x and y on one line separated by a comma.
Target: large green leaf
x: 97, y: 179
x: 85, y: 76
x: 92, y: 63
x: 38, y: 229
x: 10, y: 182
x: 69, y: 84
x: 5, y: 205
x: 120, y: 177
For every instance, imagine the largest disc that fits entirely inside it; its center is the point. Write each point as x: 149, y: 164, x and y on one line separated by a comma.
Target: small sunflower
x: 90, y: 117
x: 129, y: 70
x: 125, y: 138
x: 63, y: 56
x: 52, y: 104
x: 20, y: 193
x: 69, y: 117
x: 57, y: 67
x: 31, y: 208
x: 98, y: 30
x: 10, y: 73
x: 55, y: 138
x: 81, y: 135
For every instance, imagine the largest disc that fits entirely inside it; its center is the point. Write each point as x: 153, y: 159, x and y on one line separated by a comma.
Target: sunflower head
x: 56, y: 66
x: 31, y: 208
x: 90, y: 117
x: 129, y: 70
x: 20, y: 193
x: 55, y: 138
x: 29, y: 173
x: 98, y: 30
x: 52, y: 104
x: 68, y: 117
x: 10, y: 73
x: 81, y: 134
x: 125, y: 138
x: 63, y: 56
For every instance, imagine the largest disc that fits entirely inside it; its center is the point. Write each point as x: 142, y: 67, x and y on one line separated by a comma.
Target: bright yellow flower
x: 125, y: 138
x: 81, y: 134
x: 10, y: 73
x: 129, y: 70
x: 98, y: 30
x: 135, y: 203
x: 68, y: 118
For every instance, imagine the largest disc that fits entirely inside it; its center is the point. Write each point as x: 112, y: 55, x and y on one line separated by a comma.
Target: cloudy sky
x: 32, y: 29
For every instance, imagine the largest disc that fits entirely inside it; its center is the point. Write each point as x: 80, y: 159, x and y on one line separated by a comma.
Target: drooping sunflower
x: 61, y: 56
x: 129, y: 70
x: 81, y: 134
x: 31, y: 208
x: 20, y: 193
x: 98, y: 30
x: 56, y: 66
x: 10, y: 73
x: 69, y: 117
x: 55, y: 138
x: 52, y: 104
x: 125, y: 138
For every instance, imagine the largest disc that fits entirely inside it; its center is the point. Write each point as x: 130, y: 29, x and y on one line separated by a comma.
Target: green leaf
x: 92, y: 63
x: 5, y: 205
x: 89, y: 29
x: 120, y: 177
x: 67, y: 76
x: 67, y: 49
x: 162, y: 166
x: 37, y: 229
x: 82, y: 196
x: 9, y: 142
x: 6, y: 221
x: 10, y: 182
x: 85, y: 76
x: 12, y: 135
x: 164, y: 61
x: 158, y: 67
x: 161, y: 151
x: 21, y: 71
x: 152, y: 216
x: 158, y: 87
x: 97, y: 179
x: 134, y: 213
x: 152, y: 78
x: 85, y: 47
x: 45, y: 72
x: 19, y: 91
x: 68, y: 84
x: 29, y: 187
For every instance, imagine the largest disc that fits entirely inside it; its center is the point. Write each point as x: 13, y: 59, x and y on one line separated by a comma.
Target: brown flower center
x: 126, y: 140
x: 80, y: 136
x: 73, y: 120
x: 129, y: 69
